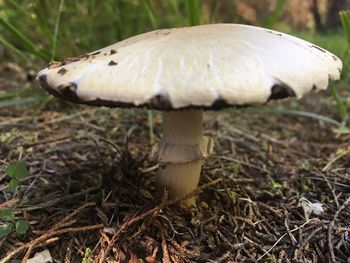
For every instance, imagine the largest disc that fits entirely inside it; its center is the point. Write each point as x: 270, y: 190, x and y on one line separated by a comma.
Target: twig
x: 75, y: 212
x: 165, y: 258
x: 48, y: 141
x: 281, y: 255
x: 275, y: 244
x: 48, y: 242
x: 62, y: 225
x: 149, y: 169
x: 111, y: 144
x: 152, y: 212
x: 244, y: 163
x: 271, y: 209
x: 53, y: 231
x: 61, y: 199
x: 336, y: 158
x: 267, y: 137
x: 9, y: 203
x: 332, y: 189
x: 179, y: 249
x: 64, y: 117
x: 42, y: 238
x: 345, y: 185
x: 331, y: 227
x: 291, y: 237
x: 309, y: 237
x: 343, y: 229
x: 195, y: 192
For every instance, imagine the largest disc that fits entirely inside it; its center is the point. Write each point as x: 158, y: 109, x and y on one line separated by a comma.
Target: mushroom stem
x: 182, y: 153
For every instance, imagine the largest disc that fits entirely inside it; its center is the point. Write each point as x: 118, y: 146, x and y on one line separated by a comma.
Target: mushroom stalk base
x: 182, y: 153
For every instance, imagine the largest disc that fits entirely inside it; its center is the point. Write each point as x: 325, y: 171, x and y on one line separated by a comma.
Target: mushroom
x: 183, y: 71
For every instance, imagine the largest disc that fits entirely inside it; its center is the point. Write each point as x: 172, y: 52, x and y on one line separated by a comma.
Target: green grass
x: 334, y: 42
x: 67, y: 28
x: 339, y: 44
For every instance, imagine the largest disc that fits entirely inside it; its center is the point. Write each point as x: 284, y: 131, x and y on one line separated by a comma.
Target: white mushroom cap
x: 207, y: 66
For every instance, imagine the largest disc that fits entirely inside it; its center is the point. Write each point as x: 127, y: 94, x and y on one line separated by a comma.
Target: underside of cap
x: 202, y: 67
x: 68, y: 92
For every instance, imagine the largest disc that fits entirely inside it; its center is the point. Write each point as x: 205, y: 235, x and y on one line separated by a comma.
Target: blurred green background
x: 33, y: 32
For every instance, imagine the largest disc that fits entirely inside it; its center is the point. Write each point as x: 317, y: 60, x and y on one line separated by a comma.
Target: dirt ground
x: 92, y: 179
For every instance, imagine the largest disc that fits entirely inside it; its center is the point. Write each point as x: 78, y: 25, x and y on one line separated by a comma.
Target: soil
x: 276, y: 189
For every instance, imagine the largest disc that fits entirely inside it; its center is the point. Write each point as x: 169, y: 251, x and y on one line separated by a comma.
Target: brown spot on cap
x: 273, y: 32
x: 71, y: 59
x: 68, y: 91
x: 95, y: 53
x: 219, y: 104
x: 86, y: 56
x: 112, y: 63
x: 54, y: 64
x: 319, y: 48
x: 281, y: 91
x: 113, y: 51
x: 160, y: 102
x: 43, y: 83
x: 65, y: 91
x: 62, y: 71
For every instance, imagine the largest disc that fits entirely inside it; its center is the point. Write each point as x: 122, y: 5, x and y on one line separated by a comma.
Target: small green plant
x: 17, y: 172
x: 304, y: 188
x: 306, y: 164
x: 88, y: 257
x: 275, y: 185
x: 324, y: 199
x: 235, y: 168
x: 232, y: 194
x: 7, y: 136
x: 11, y: 223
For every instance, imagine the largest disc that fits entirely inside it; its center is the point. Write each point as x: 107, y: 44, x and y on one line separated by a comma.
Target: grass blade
x: 345, y: 21
x: 212, y: 13
x: 55, y: 34
x: 91, y: 21
x: 9, y: 95
x: 154, y: 23
x: 342, y: 108
x: 293, y: 112
x: 193, y: 12
x: 150, y: 126
x: 18, y: 102
x: 272, y: 19
x: 150, y: 14
x: 174, y: 4
x: 40, y: 19
x: 23, y: 40
x: 13, y: 49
